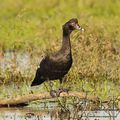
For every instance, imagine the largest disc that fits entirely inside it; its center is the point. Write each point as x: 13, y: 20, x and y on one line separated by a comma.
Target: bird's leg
x: 61, y: 89
x: 51, y: 91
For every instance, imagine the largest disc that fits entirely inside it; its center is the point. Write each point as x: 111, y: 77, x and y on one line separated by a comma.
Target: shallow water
x: 56, y: 114
x: 21, y: 59
x: 52, y: 110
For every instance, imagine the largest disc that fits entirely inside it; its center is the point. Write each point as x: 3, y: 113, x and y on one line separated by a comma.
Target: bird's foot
x: 60, y: 90
x: 52, y: 93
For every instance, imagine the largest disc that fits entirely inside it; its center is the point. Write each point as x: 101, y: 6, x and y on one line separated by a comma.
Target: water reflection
x: 27, y: 114
x: 21, y: 59
x: 56, y: 114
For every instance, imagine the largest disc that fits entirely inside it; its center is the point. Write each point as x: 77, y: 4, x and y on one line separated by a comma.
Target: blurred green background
x: 35, y: 23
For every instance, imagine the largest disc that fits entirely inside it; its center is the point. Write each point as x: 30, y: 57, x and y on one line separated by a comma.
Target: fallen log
x: 21, y: 100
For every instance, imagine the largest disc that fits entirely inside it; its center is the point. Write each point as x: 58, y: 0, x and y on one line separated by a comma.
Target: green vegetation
x: 34, y: 27
x: 37, y: 23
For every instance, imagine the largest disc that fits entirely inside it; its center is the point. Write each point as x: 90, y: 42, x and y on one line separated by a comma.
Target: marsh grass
x: 34, y: 27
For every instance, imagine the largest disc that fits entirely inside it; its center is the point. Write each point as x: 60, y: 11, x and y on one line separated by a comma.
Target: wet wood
x: 23, y: 100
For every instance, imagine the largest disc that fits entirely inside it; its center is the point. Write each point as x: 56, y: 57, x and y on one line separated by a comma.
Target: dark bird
x: 56, y: 65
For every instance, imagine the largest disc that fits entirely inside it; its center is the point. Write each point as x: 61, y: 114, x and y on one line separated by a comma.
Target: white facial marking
x: 82, y: 30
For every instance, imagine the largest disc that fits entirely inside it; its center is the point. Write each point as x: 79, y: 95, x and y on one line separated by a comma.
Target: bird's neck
x: 66, y: 45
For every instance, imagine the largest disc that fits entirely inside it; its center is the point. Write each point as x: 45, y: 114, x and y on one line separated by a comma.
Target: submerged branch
x: 22, y: 100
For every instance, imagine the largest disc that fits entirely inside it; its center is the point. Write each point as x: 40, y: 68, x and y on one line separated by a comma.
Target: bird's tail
x: 38, y: 79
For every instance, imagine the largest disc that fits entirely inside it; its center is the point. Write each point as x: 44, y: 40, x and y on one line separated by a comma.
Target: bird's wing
x: 44, y: 61
x: 53, y: 61
x: 50, y: 60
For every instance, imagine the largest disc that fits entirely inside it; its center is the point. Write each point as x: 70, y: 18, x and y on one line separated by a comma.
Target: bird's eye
x: 72, y: 24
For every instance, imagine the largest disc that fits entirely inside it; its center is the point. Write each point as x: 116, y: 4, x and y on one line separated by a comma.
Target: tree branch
x: 21, y: 100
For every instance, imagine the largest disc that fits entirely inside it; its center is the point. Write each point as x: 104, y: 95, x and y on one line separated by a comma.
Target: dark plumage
x: 56, y: 65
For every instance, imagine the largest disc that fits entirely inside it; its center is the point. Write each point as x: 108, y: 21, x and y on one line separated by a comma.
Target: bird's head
x: 71, y: 25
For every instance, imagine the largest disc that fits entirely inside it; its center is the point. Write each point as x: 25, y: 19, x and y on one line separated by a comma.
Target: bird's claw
x: 65, y: 90
x: 60, y: 90
x: 52, y: 93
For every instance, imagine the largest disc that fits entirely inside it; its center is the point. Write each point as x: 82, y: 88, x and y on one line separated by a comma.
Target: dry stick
x: 32, y: 97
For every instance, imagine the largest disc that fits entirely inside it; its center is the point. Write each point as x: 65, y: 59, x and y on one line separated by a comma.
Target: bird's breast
x: 56, y: 67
